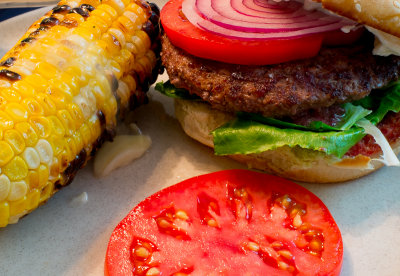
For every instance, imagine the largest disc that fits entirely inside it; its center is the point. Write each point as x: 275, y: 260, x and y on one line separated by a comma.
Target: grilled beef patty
x: 335, y: 76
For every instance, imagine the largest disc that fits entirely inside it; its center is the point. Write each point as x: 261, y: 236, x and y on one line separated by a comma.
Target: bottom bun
x: 198, y: 119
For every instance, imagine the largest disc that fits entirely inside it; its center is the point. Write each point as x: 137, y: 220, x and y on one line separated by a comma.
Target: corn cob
x: 62, y: 88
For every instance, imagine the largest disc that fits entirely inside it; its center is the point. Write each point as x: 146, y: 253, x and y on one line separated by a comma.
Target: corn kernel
x: 69, y: 83
x: 15, y: 139
x: 130, y: 81
x: 5, y: 186
x: 46, y: 192
x: 99, y: 22
x: 85, y: 107
x: 92, y: 28
x: 123, y: 93
x: 43, y: 172
x: 59, y: 97
x: 4, y: 213
x: 116, y: 69
x: 112, y: 44
x: 136, y: 9
x: 58, y: 143
x: 100, y: 14
x: 54, y: 172
x: 48, y: 105
x: 56, y: 126
x: 33, y: 179
x: 16, y: 112
x: 31, y: 158
x: 81, y: 76
x: 72, y: 147
x: 95, y: 127
x: 6, y: 153
x: 76, y: 114
x: 119, y: 35
x: 33, y: 199
x: 85, y: 133
x: 128, y: 22
x: 33, y: 107
x: 85, y: 33
x: 46, y: 70
x: 42, y: 126
x: 27, y: 132
x: 67, y: 121
x: 64, y: 159
x: 78, y: 140
x: 117, y: 5
x: 98, y: 92
x: 110, y: 11
x: 5, y: 84
x: 11, y: 95
x: 18, y: 190
x: 6, y: 121
x: 45, y: 151
x: 72, y: 20
x: 16, y: 169
x: 141, y: 41
x: 37, y: 82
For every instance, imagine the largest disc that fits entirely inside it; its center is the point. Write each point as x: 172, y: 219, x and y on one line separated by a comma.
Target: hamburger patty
x: 334, y: 76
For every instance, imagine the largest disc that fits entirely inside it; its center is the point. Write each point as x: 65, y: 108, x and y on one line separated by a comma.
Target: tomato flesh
x: 207, y: 45
x: 234, y: 222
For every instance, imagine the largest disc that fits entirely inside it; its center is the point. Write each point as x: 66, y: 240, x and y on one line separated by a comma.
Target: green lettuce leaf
x: 352, y: 115
x: 389, y: 102
x: 244, y: 137
x: 170, y: 90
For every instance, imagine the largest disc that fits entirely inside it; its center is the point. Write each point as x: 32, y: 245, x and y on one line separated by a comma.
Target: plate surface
x: 64, y: 237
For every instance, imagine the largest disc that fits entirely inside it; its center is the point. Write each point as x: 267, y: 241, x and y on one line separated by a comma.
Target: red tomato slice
x: 339, y: 38
x: 207, y: 45
x: 234, y: 222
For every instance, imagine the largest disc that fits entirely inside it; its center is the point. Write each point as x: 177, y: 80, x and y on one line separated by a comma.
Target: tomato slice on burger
x: 234, y: 222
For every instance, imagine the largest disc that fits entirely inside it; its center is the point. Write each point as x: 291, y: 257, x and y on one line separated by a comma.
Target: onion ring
x: 259, y: 19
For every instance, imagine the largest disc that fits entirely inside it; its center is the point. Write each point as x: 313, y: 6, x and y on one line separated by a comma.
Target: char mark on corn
x: 62, y: 88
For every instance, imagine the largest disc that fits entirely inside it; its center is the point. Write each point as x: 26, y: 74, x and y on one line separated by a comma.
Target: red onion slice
x: 259, y: 19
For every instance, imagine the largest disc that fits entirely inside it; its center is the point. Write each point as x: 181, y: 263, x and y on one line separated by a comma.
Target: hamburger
x: 304, y: 90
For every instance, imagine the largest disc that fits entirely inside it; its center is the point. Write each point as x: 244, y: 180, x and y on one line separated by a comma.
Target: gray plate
x: 65, y: 238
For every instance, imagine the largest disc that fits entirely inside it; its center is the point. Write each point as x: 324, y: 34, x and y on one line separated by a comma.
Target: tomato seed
x: 283, y: 265
x: 297, y: 222
x: 253, y: 246
x: 212, y: 223
x: 286, y: 254
x: 142, y: 252
x: 315, y: 245
x: 182, y: 215
x: 277, y: 244
x: 153, y: 272
x: 163, y: 223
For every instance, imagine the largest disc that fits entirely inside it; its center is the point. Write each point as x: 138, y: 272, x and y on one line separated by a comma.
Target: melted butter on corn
x: 61, y: 89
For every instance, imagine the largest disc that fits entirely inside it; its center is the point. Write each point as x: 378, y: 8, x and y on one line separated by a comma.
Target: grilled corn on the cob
x: 61, y: 89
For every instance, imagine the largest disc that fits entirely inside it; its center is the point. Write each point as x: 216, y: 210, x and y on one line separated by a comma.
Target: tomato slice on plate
x: 207, y: 45
x: 234, y: 222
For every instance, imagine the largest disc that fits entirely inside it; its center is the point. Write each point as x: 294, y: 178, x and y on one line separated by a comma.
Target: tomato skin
x: 234, y: 225
x: 207, y: 45
x: 339, y: 38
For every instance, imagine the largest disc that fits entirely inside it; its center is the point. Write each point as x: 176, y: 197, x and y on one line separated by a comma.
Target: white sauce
x: 80, y: 199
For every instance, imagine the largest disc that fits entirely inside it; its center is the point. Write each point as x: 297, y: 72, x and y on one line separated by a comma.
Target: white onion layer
x: 259, y: 19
